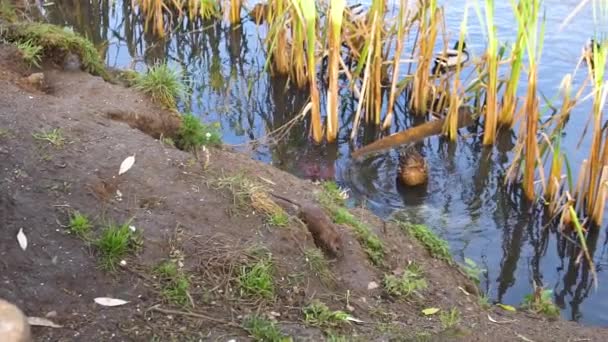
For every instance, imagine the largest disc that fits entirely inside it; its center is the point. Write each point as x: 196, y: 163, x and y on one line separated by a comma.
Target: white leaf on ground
x: 106, y: 301
x: 126, y: 164
x: 22, y: 239
x: 42, y: 322
x: 524, y: 337
x: 500, y: 322
x: 353, y: 319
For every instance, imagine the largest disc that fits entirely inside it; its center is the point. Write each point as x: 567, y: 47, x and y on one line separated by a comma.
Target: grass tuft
x: 194, y: 134
x: 449, y: 319
x: 332, y: 193
x: 256, y: 279
x: 79, y: 224
x: 162, y: 84
x: 333, y: 199
x: 317, y: 264
x: 437, y: 247
x: 318, y: 314
x: 32, y: 53
x: 247, y: 192
x: 279, y: 219
x: 115, y: 243
x: 53, y: 137
x: 371, y: 243
x: 472, y: 270
x: 410, y: 282
x: 176, y: 285
x: 263, y: 330
x: 540, y: 303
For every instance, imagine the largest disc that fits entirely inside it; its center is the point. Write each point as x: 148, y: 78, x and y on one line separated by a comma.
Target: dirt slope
x: 183, y: 215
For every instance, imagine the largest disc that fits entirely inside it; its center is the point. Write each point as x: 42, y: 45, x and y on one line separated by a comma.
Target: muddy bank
x: 61, y: 146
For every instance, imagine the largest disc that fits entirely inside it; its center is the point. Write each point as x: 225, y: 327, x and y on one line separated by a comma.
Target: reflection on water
x: 465, y: 201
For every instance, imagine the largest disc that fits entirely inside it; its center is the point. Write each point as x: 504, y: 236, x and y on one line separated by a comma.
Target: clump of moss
x: 58, y: 42
x: 194, y: 134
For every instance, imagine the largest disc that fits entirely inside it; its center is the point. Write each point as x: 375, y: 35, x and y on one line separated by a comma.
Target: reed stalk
x: 529, y: 14
x: 304, y: 24
x: 374, y: 99
x: 401, y: 32
x: 429, y: 19
x: 491, y: 110
x: 598, y: 157
x: 455, y: 100
x: 509, y: 100
x: 336, y: 13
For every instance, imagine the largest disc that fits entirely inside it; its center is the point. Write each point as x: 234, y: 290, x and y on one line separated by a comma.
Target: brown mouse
x: 322, y: 229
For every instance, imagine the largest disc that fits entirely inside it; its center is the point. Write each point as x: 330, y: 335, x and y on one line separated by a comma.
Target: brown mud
x: 181, y: 213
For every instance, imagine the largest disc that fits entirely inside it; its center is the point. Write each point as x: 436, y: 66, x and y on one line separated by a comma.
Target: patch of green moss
x: 57, y: 42
x: 7, y: 11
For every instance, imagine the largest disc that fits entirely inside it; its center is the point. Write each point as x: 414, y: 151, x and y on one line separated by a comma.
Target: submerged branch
x: 414, y: 134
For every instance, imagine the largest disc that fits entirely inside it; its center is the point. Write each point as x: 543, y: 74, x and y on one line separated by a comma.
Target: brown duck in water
x: 413, y: 170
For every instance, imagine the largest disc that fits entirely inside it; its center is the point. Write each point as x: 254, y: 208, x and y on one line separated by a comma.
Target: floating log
x: 414, y: 134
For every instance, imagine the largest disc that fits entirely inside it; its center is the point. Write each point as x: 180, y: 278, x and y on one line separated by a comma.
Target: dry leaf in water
x: 22, y: 239
x: 106, y: 301
x: 42, y: 322
x: 126, y: 164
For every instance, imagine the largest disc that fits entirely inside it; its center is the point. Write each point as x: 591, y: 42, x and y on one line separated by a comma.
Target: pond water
x: 465, y: 201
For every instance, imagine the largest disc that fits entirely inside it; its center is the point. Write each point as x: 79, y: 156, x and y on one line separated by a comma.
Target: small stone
x: 372, y: 285
x: 350, y: 308
x: 36, y: 79
x: 51, y: 314
x: 14, y: 327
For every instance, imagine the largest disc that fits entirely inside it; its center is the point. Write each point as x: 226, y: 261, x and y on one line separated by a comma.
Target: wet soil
x: 174, y: 202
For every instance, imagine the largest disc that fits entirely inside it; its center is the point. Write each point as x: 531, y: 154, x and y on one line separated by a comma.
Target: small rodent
x: 321, y: 228
x: 71, y: 62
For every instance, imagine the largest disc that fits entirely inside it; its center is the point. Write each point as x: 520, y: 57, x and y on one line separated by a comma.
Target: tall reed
x: 429, y: 19
x: 234, y: 15
x: 491, y: 110
x: 402, y: 30
x: 374, y: 98
x: 304, y: 26
x: 336, y: 14
x: 450, y: 128
x: 598, y: 156
x: 509, y: 99
x: 534, y: 28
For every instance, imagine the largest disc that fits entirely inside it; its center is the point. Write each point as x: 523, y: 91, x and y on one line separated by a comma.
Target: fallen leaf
x: 42, y: 322
x: 353, y: 319
x: 106, y: 301
x: 500, y: 322
x: 464, y: 291
x: 506, y: 307
x: 126, y: 164
x: 430, y: 311
x: 524, y: 337
x: 22, y: 239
